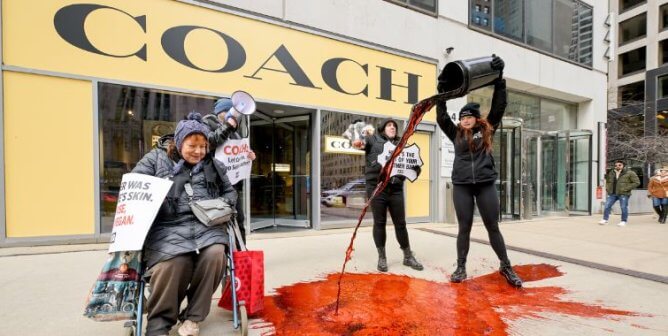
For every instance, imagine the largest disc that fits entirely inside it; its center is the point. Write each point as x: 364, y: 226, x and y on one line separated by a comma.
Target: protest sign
x: 234, y: 155
x: 403, y: 164
x: 139, y: 200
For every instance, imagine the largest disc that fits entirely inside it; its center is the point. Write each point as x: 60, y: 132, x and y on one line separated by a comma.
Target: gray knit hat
x: 192, y: 124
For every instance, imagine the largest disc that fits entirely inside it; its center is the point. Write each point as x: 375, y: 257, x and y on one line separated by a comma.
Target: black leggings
x: 392, y: 199
x: 488, y: 206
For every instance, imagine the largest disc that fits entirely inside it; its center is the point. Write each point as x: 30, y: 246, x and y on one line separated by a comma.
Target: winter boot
x: 460, y: 272
x: 382, y: 260
x: 659, y: 212
x: 507, y: 271
x: 664, y: 214
x: 410, y: 261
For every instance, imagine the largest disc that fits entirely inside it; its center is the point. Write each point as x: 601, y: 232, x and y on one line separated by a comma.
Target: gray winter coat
x: 176, y: 230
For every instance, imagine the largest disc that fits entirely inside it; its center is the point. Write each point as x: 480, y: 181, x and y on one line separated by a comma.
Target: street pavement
x: 42, y: 289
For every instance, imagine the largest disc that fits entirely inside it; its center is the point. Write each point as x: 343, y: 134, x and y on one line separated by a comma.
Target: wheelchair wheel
x: 243, y: 316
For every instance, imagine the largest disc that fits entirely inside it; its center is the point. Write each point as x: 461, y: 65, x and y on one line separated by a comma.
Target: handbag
x: 249, y: 278
x: 115, y: 293
x: 210, y: 212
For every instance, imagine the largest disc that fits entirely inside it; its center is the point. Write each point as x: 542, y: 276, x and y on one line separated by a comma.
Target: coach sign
x: 176, y: 44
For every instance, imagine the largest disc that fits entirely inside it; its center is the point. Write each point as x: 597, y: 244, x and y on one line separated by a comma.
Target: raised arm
x: 499, y: 103
x: 444, y: 122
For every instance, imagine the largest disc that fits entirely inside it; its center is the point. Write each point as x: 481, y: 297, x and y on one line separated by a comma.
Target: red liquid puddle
x: 389, y: 304
x: 417, y: 112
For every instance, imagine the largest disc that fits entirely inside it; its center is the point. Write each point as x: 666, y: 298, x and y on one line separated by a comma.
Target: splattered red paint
x: 388, y: 304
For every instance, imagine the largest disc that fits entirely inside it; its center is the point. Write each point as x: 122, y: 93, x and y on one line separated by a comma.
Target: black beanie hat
x: 470, y: 110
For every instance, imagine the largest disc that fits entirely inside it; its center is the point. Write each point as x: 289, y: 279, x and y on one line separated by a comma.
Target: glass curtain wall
x: 563, y: 28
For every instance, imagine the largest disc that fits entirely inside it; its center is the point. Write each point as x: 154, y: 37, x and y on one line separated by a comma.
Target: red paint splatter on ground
x: 390, y: 304
x: 417, y: 112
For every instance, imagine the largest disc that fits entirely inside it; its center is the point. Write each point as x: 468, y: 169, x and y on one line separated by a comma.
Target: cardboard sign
x: 403, y: 164
x: 234, y: 155
x: 139, y: 200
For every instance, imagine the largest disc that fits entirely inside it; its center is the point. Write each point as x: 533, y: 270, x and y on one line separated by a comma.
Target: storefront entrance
x: 281, y: 173
x: 542, y: 173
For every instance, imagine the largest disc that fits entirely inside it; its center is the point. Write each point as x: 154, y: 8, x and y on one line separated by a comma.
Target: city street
x: 43, y: 288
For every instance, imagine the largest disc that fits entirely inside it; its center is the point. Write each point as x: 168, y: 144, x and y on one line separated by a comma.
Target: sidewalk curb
x: 585, y: 263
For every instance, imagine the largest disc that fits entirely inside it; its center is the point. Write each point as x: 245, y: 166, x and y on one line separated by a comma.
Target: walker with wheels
x: 239, y: 313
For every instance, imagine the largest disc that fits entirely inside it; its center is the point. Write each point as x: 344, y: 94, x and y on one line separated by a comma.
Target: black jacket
x: 176, y: 230
x: 476, y: 166
x: 375, y: 144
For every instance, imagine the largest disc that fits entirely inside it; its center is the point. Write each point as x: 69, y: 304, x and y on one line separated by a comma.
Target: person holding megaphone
x: 473, y: 173
x: 224, y: 122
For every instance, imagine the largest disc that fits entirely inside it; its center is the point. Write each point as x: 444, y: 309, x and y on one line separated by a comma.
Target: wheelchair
x: 240, y: 315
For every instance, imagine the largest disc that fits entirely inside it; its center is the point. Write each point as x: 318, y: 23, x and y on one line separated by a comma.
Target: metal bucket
x: 461, y: 77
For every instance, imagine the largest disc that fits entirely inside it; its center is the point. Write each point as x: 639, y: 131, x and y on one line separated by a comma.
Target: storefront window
x: 536, y: 113
x: 343, y: 189
x: 131, y: 120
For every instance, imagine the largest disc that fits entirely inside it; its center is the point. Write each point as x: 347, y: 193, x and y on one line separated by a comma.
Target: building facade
x: 103, y: 80
x: 638, y: 88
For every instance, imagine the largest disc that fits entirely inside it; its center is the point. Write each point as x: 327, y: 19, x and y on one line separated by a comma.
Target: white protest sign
x: 234, y: 155
x: 139, y: 200
x: 403, y: 164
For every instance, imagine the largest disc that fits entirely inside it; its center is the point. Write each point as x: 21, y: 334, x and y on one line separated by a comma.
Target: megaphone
x: 242, y: 104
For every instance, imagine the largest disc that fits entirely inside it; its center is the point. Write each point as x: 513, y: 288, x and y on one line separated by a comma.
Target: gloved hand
x: 497, y: 63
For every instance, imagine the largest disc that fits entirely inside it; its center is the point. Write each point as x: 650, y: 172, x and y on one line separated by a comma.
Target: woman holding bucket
x: 473, y: 174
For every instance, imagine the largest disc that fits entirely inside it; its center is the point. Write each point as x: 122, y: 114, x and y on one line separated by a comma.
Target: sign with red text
x: 234, y: 155
x: 404, y: 164
x: 139, y: 200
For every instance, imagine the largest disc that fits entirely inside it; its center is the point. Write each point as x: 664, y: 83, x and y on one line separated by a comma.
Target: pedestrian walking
x: 391, y: 198
x: 657, y: 189
x: 184, y: 257
x: 619, y: 182
x: 474, y: 176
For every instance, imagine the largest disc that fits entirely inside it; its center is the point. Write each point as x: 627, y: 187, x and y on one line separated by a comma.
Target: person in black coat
x: 474, y: 174
x: 391, y: 198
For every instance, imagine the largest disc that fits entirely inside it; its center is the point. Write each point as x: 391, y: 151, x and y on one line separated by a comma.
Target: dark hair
x: 620, y: 161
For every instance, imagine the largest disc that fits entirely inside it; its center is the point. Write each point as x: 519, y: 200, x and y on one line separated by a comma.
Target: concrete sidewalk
x: 42, y: 289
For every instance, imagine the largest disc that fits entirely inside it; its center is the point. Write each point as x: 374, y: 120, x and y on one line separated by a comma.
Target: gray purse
x: 210, y: 212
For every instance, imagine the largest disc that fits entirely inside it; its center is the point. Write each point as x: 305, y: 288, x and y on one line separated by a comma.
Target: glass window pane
x: 663, y: 52
x: 633, y: 28
x: 555, y: 115
x: 663, y: 86
x: 428, y: 5
x: 525, y: 107
x: 566, y: 28
x: 632, y: 61
x: 342, y: 170
x: 539, y: 24
x: 663, y: 17
x: 480, y: 14
x: 132, y: 119
x: 508, y: 19
x: 628, y: 4
x: 585, y: 34
x: 631, y: 94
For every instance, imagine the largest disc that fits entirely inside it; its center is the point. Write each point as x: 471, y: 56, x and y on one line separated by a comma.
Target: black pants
x: 240, y: 209
x: 392, y: 199
x: 465, y: 197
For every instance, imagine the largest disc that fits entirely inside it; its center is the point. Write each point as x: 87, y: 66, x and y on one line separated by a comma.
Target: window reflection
x: 131, y: 120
